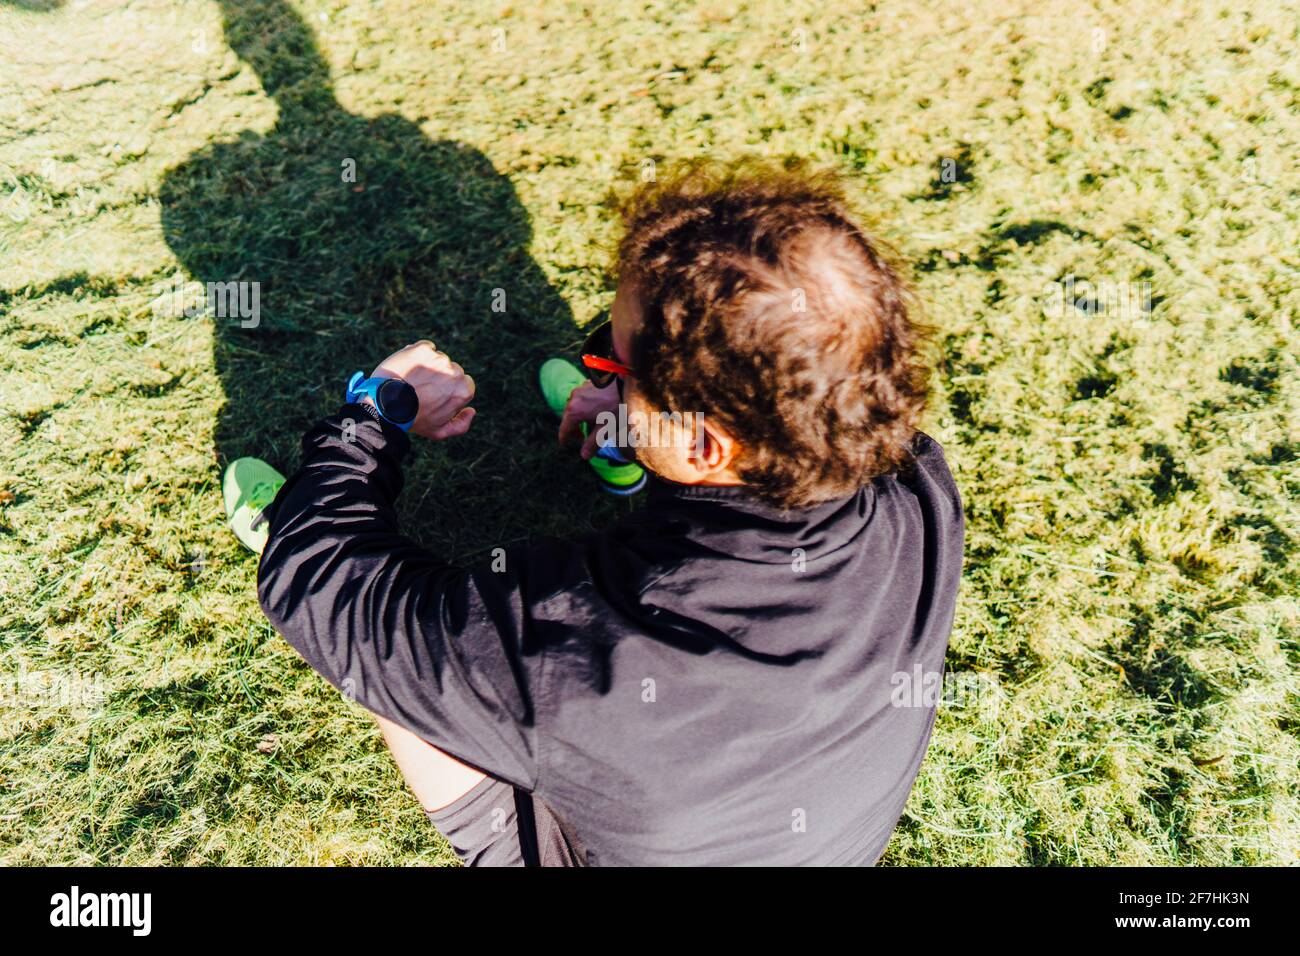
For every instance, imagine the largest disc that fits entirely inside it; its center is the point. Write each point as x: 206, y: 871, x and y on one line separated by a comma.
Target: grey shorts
x: 496, y: 824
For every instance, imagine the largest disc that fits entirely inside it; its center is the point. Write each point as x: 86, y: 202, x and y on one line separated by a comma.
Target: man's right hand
x: 585, y: 403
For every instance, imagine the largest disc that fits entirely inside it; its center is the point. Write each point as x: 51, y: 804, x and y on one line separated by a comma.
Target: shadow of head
x: 358, y: 235
x: 281, y: 49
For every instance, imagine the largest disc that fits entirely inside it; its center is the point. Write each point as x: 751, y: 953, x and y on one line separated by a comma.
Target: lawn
x: 1101, y: 207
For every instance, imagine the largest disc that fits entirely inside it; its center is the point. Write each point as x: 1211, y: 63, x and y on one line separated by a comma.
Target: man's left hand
x: 442, y: 386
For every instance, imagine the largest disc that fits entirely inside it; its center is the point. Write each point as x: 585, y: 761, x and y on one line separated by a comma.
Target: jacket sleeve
x: 438, y: 650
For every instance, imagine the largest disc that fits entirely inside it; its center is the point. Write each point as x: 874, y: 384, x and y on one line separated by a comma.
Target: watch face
x: 397, y: 401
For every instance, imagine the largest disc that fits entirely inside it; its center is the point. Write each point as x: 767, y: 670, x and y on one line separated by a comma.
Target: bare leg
x: 437, y: 779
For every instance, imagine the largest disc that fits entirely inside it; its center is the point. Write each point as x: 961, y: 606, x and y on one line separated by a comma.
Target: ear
x: 712, y: 449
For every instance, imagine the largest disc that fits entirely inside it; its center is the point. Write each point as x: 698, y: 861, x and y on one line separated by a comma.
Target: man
x: 712, y: 681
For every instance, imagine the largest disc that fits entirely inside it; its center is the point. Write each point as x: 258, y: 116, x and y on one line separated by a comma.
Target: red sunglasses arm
x: 605, y: 365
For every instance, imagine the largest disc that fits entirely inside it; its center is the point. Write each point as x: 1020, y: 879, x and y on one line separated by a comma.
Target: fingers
x: 570, y: 426
x: 466, y: 381
x: 445, y: 395
x: 457, y: 426
x: 578, y: 409
x: 589, y: 445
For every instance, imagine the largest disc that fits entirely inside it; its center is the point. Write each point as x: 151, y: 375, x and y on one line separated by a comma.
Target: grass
x: 1129, y: 608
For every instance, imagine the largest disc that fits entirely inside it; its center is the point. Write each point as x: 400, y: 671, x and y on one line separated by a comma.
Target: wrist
x: 386, y: 398
x: 369, y: 408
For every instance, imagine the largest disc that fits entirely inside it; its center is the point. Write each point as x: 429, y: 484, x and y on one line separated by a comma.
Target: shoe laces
x: 261, y: 495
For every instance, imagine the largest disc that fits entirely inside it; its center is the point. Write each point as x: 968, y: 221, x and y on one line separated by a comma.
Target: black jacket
x: 711, y: 682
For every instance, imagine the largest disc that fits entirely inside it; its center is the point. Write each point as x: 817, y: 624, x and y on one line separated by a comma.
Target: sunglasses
x: 598, y: 356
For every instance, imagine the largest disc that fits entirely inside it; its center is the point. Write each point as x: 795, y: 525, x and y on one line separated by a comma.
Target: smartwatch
x: 394, y: 399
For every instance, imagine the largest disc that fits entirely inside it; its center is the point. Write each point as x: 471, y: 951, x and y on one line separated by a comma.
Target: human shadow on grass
x: 423, y: 244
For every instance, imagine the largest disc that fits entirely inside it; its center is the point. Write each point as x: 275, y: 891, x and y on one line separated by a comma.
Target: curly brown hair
x: 769, y: 309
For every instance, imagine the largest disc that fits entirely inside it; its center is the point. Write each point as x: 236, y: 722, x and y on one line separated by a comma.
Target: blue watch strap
x: 359, y: 387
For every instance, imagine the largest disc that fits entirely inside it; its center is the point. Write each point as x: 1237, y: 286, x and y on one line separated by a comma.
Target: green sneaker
x: 248, y: 487
x: 617, y: 475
